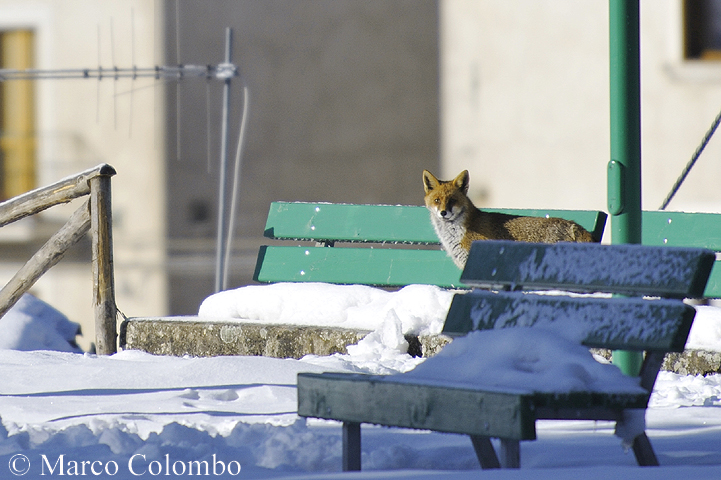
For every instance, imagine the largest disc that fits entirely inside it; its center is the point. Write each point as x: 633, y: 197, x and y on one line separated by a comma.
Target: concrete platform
x: 205, y: 338
x: 199, y: 337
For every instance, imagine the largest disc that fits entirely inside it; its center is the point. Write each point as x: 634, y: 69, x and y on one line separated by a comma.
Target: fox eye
x: 437, y: 201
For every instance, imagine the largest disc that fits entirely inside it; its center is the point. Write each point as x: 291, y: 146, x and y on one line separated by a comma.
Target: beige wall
x: 525, y: 104
x: 82, y: 123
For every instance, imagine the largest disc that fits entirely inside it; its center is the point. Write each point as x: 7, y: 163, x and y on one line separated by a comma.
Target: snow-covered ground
x: 135, y: 415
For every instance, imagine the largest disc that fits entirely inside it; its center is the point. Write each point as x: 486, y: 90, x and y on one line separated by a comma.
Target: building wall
x: 680, y: 99
x: 82, y: 123
x: 344, y: 108
x: 349, y: 102
x: 525, y: 104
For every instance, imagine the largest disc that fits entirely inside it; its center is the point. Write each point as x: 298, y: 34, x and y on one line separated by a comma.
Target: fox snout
x: 448, y: 212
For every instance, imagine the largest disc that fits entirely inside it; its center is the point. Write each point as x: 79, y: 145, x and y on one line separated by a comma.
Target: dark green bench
x: 632, y: 322
x: 384, y: 245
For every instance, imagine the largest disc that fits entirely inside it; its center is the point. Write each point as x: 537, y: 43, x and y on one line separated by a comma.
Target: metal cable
x: 692, y: 162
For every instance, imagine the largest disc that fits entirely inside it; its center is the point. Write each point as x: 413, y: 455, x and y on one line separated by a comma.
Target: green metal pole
x: 624, y: 169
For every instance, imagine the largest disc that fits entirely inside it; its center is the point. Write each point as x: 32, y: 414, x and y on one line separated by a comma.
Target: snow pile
x: 528, y: 360
x: 686, y: 391
x: 388, y: 316
x: 137, y: 405
x: 706, y: 329
x: 416, y: 308
x: 34, y: 325
x: 141, y: 393
x: 524, y: 360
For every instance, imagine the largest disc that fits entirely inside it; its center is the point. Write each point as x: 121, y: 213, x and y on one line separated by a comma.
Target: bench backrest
x: 613, y: 323
x: 392, y: 263
x: 385, y: 223
x: 681, y: 229
x: 589, y: 267
x: 616, y: 323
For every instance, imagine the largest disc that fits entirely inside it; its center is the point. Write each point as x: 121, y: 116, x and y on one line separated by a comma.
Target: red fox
x: 458, y: 222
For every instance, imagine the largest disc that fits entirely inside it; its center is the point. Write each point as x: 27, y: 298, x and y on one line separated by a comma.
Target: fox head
x: 446, y: 199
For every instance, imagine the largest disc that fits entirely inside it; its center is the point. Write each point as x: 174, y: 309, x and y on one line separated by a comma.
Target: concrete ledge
x: 201, y: 338
x: 690, y: 362
x: 206, y: 338
x: 693, y: 362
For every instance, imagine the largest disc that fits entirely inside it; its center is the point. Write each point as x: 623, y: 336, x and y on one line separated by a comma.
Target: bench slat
x: 367, y: 266
x: 589, y: 267
x: 713, y: 287
x: 681, y: 229
x: 350, y: 223
x: 613, y: 323
x: 388, y: 400
x: 384, y: 223
x: 373, y: 399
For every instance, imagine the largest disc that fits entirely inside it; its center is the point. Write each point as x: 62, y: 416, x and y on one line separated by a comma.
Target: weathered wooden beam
x: 48, y: 255
x: 42, y: 198
x: 102, y: 261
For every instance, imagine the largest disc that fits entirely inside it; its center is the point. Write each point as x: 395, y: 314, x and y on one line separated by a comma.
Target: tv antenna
x: 224, y: 72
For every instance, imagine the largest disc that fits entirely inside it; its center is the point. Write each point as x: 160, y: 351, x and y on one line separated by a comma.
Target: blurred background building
x: 350, y: 100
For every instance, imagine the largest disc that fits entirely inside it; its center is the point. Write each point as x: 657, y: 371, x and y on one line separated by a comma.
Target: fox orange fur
x: 458, y: 222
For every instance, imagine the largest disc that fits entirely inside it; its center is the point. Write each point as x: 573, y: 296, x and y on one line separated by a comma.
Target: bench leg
x: 485, y: 452
x: 644, y: 451
x: 351, y: 446
x: 510, y: 453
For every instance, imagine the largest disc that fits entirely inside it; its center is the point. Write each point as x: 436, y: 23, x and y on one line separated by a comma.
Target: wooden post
x: 48, y: 255
x: 102, y: 258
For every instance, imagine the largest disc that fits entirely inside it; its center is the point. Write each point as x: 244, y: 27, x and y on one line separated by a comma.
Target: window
x: 702, y: 29
x: 17, y: 116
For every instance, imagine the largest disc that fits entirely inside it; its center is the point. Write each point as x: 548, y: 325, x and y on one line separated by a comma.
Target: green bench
x: 382, y: 245
x: 632, y: 322
x: 681, y: 229
x: 395, y: 245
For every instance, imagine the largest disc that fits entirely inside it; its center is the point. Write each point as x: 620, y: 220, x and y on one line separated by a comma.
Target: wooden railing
x: 95, y: 216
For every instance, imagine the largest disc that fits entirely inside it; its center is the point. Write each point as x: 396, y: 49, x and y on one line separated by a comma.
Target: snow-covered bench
x: 389, y: 244
x: 521, y: 362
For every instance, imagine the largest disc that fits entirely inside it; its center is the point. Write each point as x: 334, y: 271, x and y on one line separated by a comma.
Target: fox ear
x: 429, y: 181
x: 461, y: 181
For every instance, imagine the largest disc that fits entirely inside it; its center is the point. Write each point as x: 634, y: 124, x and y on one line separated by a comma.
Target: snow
x: 524, y: 360
x: 418, y: 308
x: 706, y: 331
x: 65, y: 409
x: 34, y: 325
